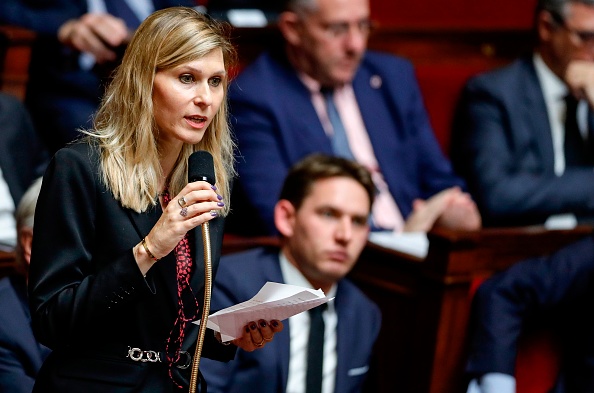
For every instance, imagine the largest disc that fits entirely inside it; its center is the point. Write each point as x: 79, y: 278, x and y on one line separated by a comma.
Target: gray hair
x: 300, y: 6
x: 558, y: 8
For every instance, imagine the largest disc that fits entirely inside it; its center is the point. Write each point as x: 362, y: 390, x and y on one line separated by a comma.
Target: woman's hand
x: 196, y: 204
x: 257, y: 334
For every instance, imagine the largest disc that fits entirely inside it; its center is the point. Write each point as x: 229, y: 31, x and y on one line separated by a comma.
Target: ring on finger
x: 182, y: 202
x: 184, y: 211
x: 260, y: 343
x: 267, y: 339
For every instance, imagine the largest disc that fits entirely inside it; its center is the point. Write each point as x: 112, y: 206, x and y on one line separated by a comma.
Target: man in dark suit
x: 23, y: 158
x: 21, y: 355
x: 79, y: 43
x: 322, y: 217
x: 558, y: 292
x: 510, y: 138
x: 280, y: 113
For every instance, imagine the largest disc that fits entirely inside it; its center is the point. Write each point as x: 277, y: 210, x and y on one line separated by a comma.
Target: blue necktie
x: 121, y: 9
x: 340, y: 143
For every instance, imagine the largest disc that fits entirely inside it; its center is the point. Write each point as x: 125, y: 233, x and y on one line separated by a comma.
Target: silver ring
x: 184, y: 211
x: 182, y: 202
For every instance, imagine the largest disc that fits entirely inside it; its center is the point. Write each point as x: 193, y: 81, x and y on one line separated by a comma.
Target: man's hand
x: 95, y: 33
x: 579, y: 77
x: 461, y: 214
x: 450, y: 208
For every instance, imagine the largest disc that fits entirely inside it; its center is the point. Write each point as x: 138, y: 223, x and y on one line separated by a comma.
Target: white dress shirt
x: 8, y: 234
x: 554, y: 91
x: 299, y: 330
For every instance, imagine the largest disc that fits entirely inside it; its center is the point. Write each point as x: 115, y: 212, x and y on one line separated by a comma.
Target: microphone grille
x: 201, y: 167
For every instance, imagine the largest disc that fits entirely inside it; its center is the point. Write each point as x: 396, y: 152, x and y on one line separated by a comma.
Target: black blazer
x: 88, y: 299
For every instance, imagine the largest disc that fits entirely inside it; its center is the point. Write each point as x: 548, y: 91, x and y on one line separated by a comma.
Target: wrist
x: 145, y: 245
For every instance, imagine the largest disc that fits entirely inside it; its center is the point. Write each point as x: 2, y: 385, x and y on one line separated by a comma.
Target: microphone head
x: 201, y: 167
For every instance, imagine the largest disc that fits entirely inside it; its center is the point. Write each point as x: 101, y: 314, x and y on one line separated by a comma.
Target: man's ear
x: 545, y: 26
x: 284, y: 217
x: 289, y: 26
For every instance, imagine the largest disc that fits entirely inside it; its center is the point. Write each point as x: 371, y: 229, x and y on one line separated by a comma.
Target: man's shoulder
x: 251, y: 256
x: 501, y: 77
x: 380, y: 58
x: 263, y: 65
x: 349, y: 291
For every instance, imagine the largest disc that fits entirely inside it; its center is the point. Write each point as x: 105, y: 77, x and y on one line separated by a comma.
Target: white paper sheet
x: 273, y: 301
x: 412, y: 243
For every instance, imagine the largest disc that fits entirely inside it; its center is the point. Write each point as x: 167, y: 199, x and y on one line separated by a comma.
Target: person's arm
x: 503, y: 302
x: 429, y: 173
x: 69, y: 289
x: 13, y: 377
x: 95, y: 33
x: 263, y: 161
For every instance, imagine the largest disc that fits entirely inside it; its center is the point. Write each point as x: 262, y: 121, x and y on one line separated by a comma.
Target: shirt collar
x: 552, y: 85
x: 293, y: 276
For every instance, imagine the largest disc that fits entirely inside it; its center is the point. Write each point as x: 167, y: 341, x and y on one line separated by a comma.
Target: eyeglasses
x: 342, y: 29
x: 584, y: 37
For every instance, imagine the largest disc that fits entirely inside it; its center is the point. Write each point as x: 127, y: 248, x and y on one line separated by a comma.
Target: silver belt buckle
x: 138, y: 355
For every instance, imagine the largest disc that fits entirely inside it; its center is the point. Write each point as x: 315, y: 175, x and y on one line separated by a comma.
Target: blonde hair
x: 124, y: 125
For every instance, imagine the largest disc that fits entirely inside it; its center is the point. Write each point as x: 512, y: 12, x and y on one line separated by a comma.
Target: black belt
x: 139, y: 355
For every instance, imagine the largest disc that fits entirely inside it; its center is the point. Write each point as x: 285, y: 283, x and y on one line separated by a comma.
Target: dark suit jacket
x: 22, y: 155
x: 502, y: 146
x: 276, y: 125
x: 89, y: 300
x: 555, y: 291
x: 239, y: 278
x: 60, y: 94
x: 20, y: 354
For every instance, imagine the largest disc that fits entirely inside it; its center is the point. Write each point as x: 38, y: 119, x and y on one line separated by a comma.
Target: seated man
x: 22, y: 159
x: 324, y: 92
x: 557, y: 291
x: 322, y: 217
x: 517, y: 139
x: 21, y: 355
x: 78, y: 43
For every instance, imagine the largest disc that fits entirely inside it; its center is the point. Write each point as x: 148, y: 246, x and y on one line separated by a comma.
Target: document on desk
x: 412, y: 243
x: 273, y: 301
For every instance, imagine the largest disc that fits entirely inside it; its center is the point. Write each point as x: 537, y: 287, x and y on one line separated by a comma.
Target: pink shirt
x: 385, y: 212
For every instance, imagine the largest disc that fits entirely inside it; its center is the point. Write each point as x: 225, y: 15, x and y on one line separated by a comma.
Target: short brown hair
x: 305, y: 173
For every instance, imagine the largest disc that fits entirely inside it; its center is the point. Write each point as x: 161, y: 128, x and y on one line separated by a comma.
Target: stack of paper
x: 273, y: 301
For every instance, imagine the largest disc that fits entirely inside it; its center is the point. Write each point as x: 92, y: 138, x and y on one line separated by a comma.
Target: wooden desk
x: 425, y: 303
x: 15, y: 54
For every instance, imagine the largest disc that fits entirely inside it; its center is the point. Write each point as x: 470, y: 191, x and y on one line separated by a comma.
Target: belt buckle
x: 138, y: 355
